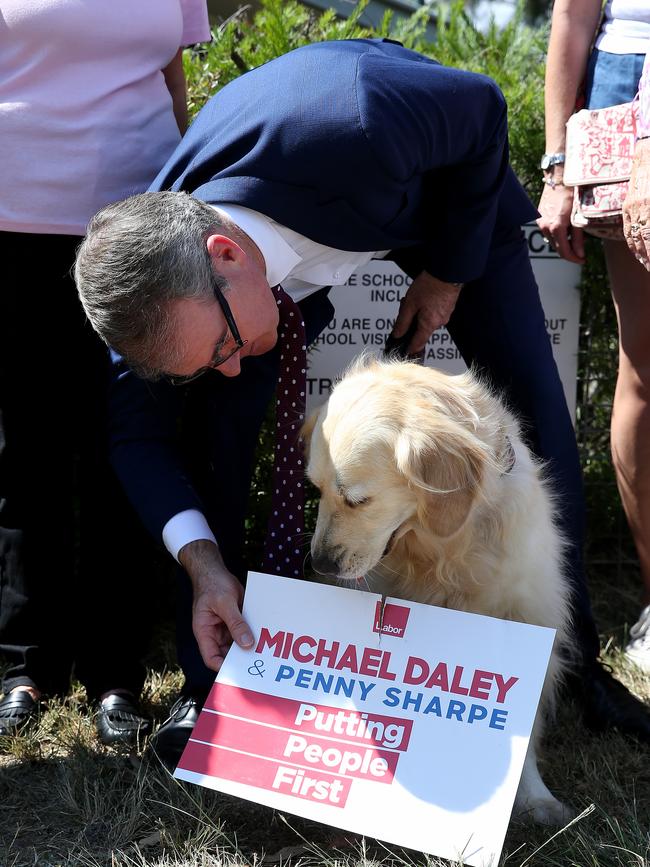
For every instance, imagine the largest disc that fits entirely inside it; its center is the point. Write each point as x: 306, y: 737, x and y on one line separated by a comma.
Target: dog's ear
x: 307, y: 430
x: 446, y: 479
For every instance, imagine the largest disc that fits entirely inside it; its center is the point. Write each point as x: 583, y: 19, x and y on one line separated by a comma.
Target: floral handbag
x: 599, y: 151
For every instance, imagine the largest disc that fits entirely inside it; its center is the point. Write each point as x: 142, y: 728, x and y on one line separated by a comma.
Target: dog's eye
x: 354, y: 503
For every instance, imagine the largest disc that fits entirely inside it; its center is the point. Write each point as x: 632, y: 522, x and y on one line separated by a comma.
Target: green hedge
x: 512, y: 55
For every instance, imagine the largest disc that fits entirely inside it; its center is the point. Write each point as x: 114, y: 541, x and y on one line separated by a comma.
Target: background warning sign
x: 366, y: 308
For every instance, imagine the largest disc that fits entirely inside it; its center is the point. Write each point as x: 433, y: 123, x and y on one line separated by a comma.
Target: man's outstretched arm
x: 144, y: 454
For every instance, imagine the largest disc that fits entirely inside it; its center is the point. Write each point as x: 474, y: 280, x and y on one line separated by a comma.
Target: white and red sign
x: 400, y: 721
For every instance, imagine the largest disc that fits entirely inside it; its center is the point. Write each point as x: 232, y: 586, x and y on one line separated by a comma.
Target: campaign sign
x: 403, y: 722
x: 366, y: 309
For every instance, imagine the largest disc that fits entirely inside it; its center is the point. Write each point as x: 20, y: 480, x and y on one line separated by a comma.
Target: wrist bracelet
x: 552, y: 183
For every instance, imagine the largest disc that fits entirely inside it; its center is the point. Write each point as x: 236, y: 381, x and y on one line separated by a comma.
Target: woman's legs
x: 630, y: 434
x: 630, y: 430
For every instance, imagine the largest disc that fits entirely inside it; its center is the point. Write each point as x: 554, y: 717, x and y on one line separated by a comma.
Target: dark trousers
x: 72, y: 561
x: 498, y: 326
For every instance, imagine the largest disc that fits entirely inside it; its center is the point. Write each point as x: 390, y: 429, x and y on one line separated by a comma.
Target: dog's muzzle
x: 324, y: 563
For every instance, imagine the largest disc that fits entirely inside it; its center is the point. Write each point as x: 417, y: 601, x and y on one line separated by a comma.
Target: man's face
x: 200, y: 325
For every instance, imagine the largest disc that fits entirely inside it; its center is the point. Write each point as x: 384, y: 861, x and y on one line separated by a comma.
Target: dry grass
x: 67, y: 800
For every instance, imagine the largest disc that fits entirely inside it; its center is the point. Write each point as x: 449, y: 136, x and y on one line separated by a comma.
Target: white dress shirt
x: 303, y: 267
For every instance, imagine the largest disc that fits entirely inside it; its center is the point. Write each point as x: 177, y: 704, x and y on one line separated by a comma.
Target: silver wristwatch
x: 550, y: 160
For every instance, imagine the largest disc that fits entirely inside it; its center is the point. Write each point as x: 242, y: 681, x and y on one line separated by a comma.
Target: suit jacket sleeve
x: 143, y: 422
x: 448, y: 129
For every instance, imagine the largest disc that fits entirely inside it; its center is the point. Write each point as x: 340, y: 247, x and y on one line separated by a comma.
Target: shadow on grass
x: 66, y: 800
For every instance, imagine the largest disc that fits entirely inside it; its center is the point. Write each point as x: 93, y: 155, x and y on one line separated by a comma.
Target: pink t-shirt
x: 85, y: 115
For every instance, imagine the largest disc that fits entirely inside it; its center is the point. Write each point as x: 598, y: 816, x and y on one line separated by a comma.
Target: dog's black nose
x: 324, y: 563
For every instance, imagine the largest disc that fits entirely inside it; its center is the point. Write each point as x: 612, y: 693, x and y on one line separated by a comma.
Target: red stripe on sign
x: 300, y: 748
x: 350, y: 725
x: 213, y: 761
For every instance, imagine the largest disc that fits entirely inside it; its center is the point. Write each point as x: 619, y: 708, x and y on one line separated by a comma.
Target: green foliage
x: 240, y: 45
x: 534, y: 11
x: 513, y: 55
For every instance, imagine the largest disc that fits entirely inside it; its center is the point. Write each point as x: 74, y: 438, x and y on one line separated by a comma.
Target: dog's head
x: 394, y: 450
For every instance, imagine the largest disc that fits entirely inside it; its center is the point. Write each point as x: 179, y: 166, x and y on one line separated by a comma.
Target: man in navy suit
x: 297, y: 173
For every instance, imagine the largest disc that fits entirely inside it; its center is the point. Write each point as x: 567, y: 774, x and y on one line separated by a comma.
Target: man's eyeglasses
x: 220, y: 355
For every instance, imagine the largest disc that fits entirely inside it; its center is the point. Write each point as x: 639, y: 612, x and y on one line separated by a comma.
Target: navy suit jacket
x: 359, y: 145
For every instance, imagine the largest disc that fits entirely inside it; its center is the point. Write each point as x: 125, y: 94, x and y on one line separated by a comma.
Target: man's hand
x: 216, y: 612
x: 555, y: 208
x: 636, y: 207
x: 432, y: 301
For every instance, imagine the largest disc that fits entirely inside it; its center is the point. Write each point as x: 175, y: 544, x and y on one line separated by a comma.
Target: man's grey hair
x: 138, y: 256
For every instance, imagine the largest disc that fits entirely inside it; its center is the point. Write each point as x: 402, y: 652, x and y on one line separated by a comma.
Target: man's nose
x: 232, y: 367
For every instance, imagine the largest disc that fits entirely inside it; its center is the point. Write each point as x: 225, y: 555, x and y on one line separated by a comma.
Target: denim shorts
x: 612, y: 78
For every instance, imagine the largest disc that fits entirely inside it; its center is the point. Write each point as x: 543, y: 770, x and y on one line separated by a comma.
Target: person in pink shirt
x: 92, y: 103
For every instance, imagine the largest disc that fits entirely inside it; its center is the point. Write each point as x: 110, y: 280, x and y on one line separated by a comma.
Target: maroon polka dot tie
x: 282, y: 551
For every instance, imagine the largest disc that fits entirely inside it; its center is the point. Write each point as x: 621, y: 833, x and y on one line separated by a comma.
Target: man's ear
x: 224, y: 251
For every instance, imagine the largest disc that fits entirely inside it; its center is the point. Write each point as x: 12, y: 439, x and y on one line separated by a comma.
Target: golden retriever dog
x: 428, y: 491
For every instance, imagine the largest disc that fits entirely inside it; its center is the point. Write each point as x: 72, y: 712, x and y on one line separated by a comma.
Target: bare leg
x: 630, y: 430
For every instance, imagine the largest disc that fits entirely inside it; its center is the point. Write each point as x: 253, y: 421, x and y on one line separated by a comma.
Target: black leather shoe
x: 17, y: 709
x: 169, y: 741
x: 607, y: 704
x: 119, y: 720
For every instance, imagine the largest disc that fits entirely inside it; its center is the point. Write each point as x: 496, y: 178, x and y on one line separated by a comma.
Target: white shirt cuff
x: 185, y: 527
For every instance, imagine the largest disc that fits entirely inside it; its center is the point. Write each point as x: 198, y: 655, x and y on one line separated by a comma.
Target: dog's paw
x: 545, y: 811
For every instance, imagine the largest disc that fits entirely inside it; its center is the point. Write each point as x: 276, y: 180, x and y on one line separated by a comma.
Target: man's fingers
x: 404, y: 319
x: 217, y: 622
x: 427, y: 305
x: 214, y: 639
x: 236, y: 625
x: 578, y: 243
x: 560, y: 239
x: 419, y: 340
x: 211, y: 650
